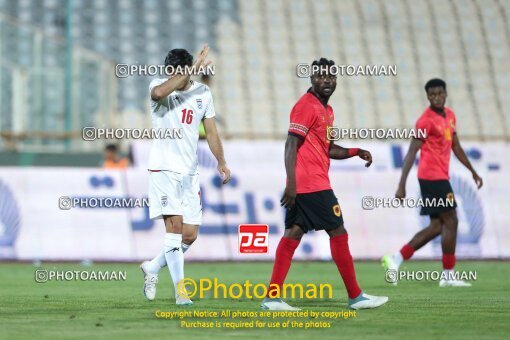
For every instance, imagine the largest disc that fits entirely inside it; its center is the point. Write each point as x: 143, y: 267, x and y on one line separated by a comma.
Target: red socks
x: 339, y: 251
x: 343, y: 260
x: 407, y: 251
x: 448, y: 261
x: 282, y: 262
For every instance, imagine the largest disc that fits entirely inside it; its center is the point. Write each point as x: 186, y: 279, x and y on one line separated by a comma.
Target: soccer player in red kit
x: 439, y: 123
x: 308, y: 198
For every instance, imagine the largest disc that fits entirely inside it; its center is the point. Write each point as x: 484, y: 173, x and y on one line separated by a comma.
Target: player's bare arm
x: 289, y: 195
x: 179, y: 81
x: 408, y: 164
x: 214, y: 141
x: 338, y: 152
x: 461, y: 156
x: 174, y: 83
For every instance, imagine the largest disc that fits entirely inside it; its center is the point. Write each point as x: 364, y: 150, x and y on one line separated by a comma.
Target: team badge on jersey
x: 199, y: 103
x: 447, y: 134
x: 164, y: 201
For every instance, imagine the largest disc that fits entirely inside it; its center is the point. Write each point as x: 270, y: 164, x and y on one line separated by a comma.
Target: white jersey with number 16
x: 180, y: 110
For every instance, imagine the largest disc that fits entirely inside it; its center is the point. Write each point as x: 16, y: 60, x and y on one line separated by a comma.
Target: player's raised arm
x: 169, y: 86
x: 178, y: 81
x: 291, y: 146
x: 461, y: 156
x: 408, y: 164
x: 214, y: 141
x: 338, y: 152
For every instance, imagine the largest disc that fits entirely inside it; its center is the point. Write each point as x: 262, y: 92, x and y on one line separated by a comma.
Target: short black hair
x: 111, y: 147
x: 322, y: 62
x: 178, y: 57
x: 435, y: 82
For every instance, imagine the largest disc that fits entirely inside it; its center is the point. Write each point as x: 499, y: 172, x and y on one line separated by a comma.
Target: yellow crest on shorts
x: 336, y: 210
x: 450, y: 198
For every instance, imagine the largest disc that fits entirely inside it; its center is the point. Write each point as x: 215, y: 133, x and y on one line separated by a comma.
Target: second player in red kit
x: 308, y: 198
x: 439, y: 124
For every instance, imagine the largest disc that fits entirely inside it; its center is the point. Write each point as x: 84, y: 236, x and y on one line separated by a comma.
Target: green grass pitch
x: 113, y: 310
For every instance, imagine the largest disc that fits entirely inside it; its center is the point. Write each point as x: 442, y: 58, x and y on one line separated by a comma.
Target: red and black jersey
x: 309, y: 120
x: 437, y: 146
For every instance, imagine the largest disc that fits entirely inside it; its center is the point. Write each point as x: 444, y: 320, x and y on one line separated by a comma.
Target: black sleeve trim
x: 297, y: 135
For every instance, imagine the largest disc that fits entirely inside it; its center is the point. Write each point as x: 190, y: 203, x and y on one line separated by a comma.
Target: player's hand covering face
x: 201, y: 59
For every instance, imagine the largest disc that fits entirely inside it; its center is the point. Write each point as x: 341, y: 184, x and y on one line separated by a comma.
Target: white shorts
x: 171, y: 193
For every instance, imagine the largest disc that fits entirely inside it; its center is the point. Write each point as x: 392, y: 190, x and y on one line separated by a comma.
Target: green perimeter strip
x: 34, y: 159
x: 26, y: 158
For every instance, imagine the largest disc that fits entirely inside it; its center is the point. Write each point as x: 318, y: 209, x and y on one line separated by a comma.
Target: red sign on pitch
x: 253, y: 238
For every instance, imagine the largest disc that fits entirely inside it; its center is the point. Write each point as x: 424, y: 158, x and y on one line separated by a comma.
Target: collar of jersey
x: 313, y: 94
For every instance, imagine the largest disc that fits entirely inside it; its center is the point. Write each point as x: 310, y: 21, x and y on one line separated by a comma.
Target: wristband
x: 353, y: 152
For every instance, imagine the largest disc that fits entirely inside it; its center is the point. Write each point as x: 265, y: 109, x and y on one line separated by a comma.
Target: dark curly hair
x: 436, y: 82
x: 321, y: 65
x: 178, y: 57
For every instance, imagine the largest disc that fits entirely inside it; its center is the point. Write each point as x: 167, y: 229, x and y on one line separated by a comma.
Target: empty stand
x: 256, y: 47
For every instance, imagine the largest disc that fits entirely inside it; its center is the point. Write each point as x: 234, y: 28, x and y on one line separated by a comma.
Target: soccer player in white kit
x: 177, y: 102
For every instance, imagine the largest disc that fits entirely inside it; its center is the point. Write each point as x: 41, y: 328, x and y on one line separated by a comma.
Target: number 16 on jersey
x: 187, y: 116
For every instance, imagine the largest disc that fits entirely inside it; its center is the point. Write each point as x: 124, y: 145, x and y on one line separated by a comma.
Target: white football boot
x: 182, y: 300
x: 390, y: 264
x: 277, y: 304
x: 149, y: 282
x: 365, y: 301
x: 449, y: 279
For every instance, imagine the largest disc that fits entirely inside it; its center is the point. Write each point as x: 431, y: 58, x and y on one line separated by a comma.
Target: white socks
x: 398, y: 258
x: 159, y: 261
x: 174, y: 257
x: 185, y: 247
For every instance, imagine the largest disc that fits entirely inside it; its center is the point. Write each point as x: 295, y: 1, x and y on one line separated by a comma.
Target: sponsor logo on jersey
x: 199, y: 103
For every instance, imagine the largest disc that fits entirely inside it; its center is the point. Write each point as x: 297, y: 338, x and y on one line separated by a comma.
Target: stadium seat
x: 257, y: 45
